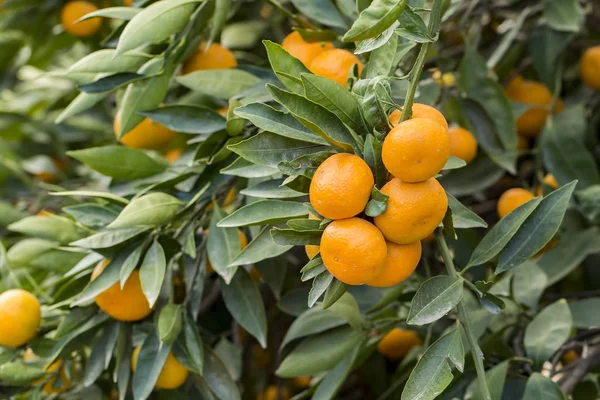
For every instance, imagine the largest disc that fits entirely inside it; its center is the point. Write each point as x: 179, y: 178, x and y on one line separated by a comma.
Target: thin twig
x: 464, y: 318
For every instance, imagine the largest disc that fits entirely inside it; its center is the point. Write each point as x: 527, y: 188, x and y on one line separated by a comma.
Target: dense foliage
x: 163, y: 176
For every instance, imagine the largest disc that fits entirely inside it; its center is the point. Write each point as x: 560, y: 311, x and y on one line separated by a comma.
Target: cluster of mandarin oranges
x: 413, y: 152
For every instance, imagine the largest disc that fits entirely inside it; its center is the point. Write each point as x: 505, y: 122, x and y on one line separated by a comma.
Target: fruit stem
x: 463, y: 316
x: 433, y: 27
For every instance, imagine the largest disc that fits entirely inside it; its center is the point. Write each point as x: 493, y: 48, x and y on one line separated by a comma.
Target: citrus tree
x: 227, y: 199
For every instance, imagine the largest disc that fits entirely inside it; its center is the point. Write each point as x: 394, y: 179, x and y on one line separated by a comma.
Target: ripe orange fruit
x: 416, y: 149
x: 550, y: 180
x: 522, y: 143
x: 538, y: 97
x: 462, y: 144
x: 173, y: 155
x: 128, y: 2
x: 446, y: 79
x: 20, y: 316
x: 215, y: 57
x: 223, y: 111
x: 148, y: 135
x: 511, y: 199
x: 569, y: 357
x: 65, y: 378
x: 401, y: 261
x: 413, y: 211
x: 311, y: 250
x: 128, y: 304
x: 397, y: 343
x: 420, y: 111
x: 335, y: 64
x: 589, y: 67
x: 353, y: 250
x: 302, y: 50
x: 274, y: 393
x: 262, y: 357
x: 172, y: 375
x: 302, y: 381
x: 74, y: 10
x: 341, y: 186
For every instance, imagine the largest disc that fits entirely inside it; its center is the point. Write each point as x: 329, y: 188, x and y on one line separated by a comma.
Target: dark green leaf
x: 120, y: 162
x: 223, y: 244
x: 435, y: 298
x: 150, y: 361
x: 264, y: 212
x: 540, y: 387
x: 319, y: 286
x: 549, y: 330
x: 187, y: 118
x: 375, y: 19
x: 152, y: 272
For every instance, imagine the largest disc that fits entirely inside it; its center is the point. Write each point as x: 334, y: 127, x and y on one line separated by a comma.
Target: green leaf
x: 223, y: 244
x: 51, y: 227
x: 101, y: 354
x: 152, y: 272
x: 81, y: 103
x: 91, y: 214
x: 435, y: 298
x: 432, y: 374
x: 315, y: 117
x: 549, y: 330
x: 156, y: 23
x: 454, y: 163
x: 528, y: 284
x: 563, y: 138
x: 333, y: 381
x: 264, y: 212
x: 372, y: 154
x: 88, y: 193
x: 152, y: 209
x: 269, y: 149
x: 320, y: 353
x: 375, y: 19
x: 383, y: 48
x: 109, y: 238
x: 231, y: 355
x: 246, y: 169
x: 103, y: 62
x: 462, y: 217
x: 583, y: 312
x: 260, y: 248
x: 310, y: 322
x: 319, y: 286
x: 347, y: 308
x: 546, y: 46
x: 336, y: 99
x: 124, y: 13
x: 474, y: 80
x: 541, y: 388
x: 569, y: 254
x: 412, y: 27
x: 222, y: 9
x: 495, y: 379
x: 169, y: 323
x: 244, y: 302
x: 218, y: 377
x: 501, y: 233
x: 19, y: 374
x: 243, y: 34
x: 150, y: 361
x: 92, y: 323
x: 221, y: 83
x: 188, y: 347
x: 187, y: 118
x: 287, y: 68
x: 272, y: 189
x: 322, y: 11
x: 335, y: 291
x: 378, y: 203
x: 563, y: 15
x: 292, y: 237
x: 537, y: 230
x: 110, y: 83
x: 146, y: 94
x: 119, y: 162
x: 130, y: 263
x: 267, y: 118
x: 480, y: 174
